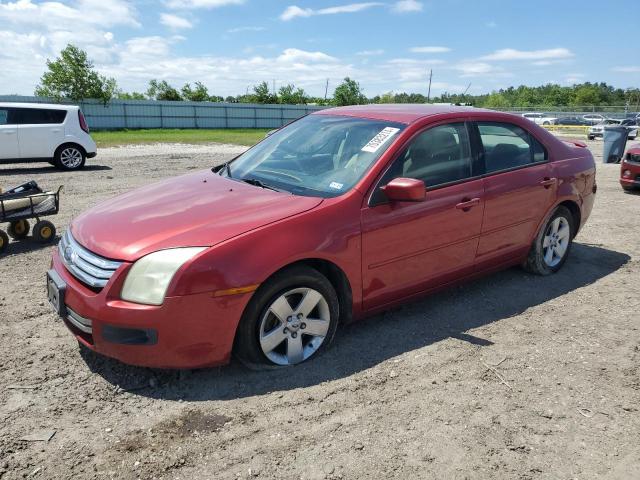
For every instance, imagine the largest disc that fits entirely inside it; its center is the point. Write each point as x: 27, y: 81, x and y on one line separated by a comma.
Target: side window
x: 437, y: 156
x: 4, y: 116
x: 40, y: 116
x: 508, y: 146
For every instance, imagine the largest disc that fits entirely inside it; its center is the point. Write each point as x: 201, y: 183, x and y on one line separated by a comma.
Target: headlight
x: 149, y: 278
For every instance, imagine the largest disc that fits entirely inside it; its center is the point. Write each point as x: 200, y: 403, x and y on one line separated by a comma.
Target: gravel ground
x: 511, y: 376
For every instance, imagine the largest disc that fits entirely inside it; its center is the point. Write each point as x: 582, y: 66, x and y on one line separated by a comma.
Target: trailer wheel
x: 44, y: 231
x: 4, y: 241
x: 19, y: 229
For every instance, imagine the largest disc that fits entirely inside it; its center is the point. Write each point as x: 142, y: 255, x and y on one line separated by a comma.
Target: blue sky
x: 230, y: 45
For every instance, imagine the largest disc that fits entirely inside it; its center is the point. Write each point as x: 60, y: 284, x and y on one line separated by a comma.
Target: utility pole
x: 429, y: 91
x: 326, y: 89
x: 274, y: 86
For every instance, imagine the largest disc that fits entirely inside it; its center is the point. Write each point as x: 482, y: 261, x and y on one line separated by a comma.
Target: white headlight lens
x: 149, y: 278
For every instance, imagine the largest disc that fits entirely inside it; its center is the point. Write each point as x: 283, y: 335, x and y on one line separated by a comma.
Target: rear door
x: 410, y: 247
x: 519, y: 188
x: 40, y: 131
x: 8, y: 135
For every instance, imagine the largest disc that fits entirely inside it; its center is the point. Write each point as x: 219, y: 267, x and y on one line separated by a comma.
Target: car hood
x: 199, y: 209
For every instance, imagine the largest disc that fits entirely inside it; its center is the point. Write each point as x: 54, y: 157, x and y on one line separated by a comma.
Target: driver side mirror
x: 405, y: 190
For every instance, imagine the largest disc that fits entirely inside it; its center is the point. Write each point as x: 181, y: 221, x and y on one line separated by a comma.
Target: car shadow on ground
x: 23, y: 170
x: 357, y: 347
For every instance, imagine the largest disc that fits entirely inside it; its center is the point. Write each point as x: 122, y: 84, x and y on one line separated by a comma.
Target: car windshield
x: 318, y: 155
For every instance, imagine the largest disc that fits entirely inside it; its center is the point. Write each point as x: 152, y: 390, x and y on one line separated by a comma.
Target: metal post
x: 195, y: 117
x: 161, y: 117
x: 124, y: 107
x: 226, y: 117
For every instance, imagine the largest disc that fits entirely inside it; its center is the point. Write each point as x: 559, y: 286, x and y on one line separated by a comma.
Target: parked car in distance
x: 339, y: 215
x: 630, y: 169
x: 577, y: 121
x: 34, y: 132
x: 597, y: 131
x: 593, y: 118
x: 541, y: 118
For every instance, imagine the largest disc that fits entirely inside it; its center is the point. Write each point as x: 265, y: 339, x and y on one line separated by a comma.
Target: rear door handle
x: 547, y: 182
x: 467, y: 204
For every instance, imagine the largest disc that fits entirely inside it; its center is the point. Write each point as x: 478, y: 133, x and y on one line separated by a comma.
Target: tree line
x: 72, y: 76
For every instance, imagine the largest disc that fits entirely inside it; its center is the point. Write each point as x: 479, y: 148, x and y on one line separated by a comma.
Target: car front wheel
x: 291, y: 318
x: 552, y: 244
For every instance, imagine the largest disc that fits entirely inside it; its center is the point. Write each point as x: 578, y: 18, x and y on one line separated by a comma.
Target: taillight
x: 83, y: 122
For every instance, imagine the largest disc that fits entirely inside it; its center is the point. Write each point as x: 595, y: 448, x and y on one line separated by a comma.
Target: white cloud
x: 491, y: 24
x: 245, y: 29
x: 630, y: 69
x: 297, y: 55
x: 60, y: 16
x: 406, y: 6
x: 473, y: 69
x: 293, y: 11
x: 413, y: 61
x: 193, y: 4
x: 174, y: 21
x: 513, y: 54
x: 430, y: 49
x: 370, y: 53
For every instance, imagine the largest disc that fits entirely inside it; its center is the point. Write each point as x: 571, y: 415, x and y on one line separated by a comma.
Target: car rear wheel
x: 552, y: 244
x: 70, y: 157
x: 291, y: 318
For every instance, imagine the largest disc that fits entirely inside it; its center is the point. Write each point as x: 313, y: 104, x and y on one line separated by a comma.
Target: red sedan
x: 630, y: 169
x: 339, y: 215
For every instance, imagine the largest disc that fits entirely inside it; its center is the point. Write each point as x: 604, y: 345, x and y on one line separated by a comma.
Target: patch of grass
x: 244, y: 136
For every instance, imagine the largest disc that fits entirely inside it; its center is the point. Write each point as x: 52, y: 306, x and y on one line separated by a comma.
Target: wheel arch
x: 68, y: 144
x: 336, y: 276
x: 572, y: 206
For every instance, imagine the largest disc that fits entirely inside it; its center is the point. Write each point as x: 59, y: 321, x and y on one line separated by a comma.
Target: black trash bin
x: 615, y: 139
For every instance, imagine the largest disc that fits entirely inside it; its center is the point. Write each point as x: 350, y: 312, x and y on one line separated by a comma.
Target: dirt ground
x: 513, y: 376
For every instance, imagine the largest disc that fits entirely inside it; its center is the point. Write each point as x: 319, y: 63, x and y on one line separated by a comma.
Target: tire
x: 590, y: 137
x: 544, y: 258
x: 19, y: 230
x: 4, y: 241
x: 264, y: 339
x: 70, y: 157
x: 546, y: 123
x: 44, y: 231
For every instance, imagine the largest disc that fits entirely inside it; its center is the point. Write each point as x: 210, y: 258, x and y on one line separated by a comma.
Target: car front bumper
x: 190, y: 331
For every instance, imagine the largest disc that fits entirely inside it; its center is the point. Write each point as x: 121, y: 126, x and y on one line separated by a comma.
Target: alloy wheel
x: 556, y: 241
x: 294, y: 326
x: 71, y: 157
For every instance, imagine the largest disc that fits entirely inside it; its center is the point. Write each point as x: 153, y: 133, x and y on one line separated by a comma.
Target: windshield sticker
x: 380, y: 139
x: 336, y: 185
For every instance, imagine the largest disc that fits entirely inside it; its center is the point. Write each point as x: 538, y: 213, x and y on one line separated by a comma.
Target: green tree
x: 162, y: 91
x: 198, y: 94
x: 130, y: 95
x: 261, y: 94
x: 72, y: 76
x: 388, y: 97
x: 348, y: 93
x: 291, y: 95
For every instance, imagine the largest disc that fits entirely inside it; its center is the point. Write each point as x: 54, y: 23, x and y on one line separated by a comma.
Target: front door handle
x: 467, y: 204
x: 548, y: 182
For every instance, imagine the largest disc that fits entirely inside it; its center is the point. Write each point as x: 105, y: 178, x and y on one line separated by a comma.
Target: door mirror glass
x: 405, y: 190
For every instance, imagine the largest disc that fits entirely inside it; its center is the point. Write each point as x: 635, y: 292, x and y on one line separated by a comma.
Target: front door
x: 519, y: 189
x: 8, y: 135
x: 409, y: 247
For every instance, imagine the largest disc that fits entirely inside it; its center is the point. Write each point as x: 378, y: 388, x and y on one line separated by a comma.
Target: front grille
x: 91, y: 269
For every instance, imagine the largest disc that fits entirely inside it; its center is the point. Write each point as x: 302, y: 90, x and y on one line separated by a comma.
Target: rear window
x: 4, y: 115
x: 39, y: 116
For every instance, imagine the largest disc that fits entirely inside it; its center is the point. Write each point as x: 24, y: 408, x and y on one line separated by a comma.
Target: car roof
x: 46, y: 106
x: 400, y: 113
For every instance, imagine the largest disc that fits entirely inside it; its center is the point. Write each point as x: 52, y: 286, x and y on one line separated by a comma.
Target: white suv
x: 57, y: 134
